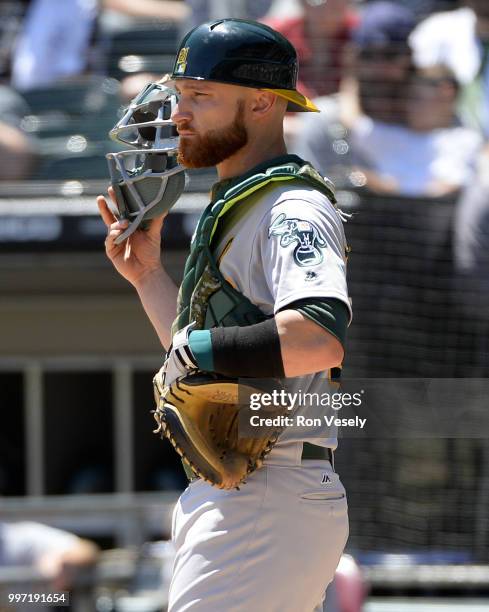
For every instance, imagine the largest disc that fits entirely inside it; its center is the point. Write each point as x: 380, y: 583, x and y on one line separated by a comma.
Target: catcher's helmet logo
x: 307, y: 236
x: 181, y: 64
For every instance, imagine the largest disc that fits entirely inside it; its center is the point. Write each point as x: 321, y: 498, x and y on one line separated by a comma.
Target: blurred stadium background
x: 77, y: 354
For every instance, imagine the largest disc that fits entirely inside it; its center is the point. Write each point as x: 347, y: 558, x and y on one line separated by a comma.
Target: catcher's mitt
x: 199, y: 414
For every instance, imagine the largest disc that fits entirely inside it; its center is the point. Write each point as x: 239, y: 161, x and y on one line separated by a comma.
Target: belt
x: 309, y: 451
x: 313, y: 451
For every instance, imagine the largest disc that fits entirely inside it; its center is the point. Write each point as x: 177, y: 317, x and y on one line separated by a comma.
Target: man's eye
x: 199, y: 94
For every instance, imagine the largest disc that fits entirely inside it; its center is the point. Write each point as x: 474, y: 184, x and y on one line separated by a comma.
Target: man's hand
x: 139, y: 255
x: 138, y: 260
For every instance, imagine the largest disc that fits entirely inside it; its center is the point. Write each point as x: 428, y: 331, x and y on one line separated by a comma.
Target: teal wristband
x: 200, y: 344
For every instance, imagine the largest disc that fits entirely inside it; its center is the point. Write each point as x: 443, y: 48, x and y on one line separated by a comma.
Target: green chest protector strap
x: 205, y: 296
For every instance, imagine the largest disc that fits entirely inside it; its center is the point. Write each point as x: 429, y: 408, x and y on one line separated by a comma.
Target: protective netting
x: 415, y: 316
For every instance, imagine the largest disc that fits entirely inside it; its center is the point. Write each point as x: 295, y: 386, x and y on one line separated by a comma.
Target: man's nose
x: 180, y: 114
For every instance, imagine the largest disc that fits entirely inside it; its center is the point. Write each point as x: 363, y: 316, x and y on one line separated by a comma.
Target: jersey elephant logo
x: 305, y: 233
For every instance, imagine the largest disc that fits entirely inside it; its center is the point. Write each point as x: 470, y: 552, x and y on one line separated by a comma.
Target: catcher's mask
x: 147, y: 179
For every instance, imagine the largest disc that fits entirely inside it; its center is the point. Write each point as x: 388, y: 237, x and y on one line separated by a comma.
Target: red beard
x: 216, y: 145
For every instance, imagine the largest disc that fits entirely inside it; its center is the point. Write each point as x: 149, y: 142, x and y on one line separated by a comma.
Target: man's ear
x: 262, y: 103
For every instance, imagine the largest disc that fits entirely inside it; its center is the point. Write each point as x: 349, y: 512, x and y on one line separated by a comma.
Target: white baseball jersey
x: 289, y: 245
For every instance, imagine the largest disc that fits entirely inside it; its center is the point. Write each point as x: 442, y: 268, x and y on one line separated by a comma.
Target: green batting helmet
x: 245, y: 53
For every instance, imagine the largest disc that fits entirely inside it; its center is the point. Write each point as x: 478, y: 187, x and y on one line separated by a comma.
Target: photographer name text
x: 302, y: 421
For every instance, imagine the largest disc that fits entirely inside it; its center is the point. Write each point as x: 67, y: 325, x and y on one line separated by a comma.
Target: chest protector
x: 205, y: 296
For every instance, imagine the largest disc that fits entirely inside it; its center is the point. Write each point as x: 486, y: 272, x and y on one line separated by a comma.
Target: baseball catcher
x: 263, y: 299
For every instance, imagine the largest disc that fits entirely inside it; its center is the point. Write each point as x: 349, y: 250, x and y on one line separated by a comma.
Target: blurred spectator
x: 57, y: 555
x: 59, y: 40
x: 390, y: 128
x: 460, y: 40
x: 383, y: 61
x: 319, y: 35
x: 54, y: 42
x: 207, y: 10
x: 374, y: 91
x: 434, y: 155
x: 17, y: 150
